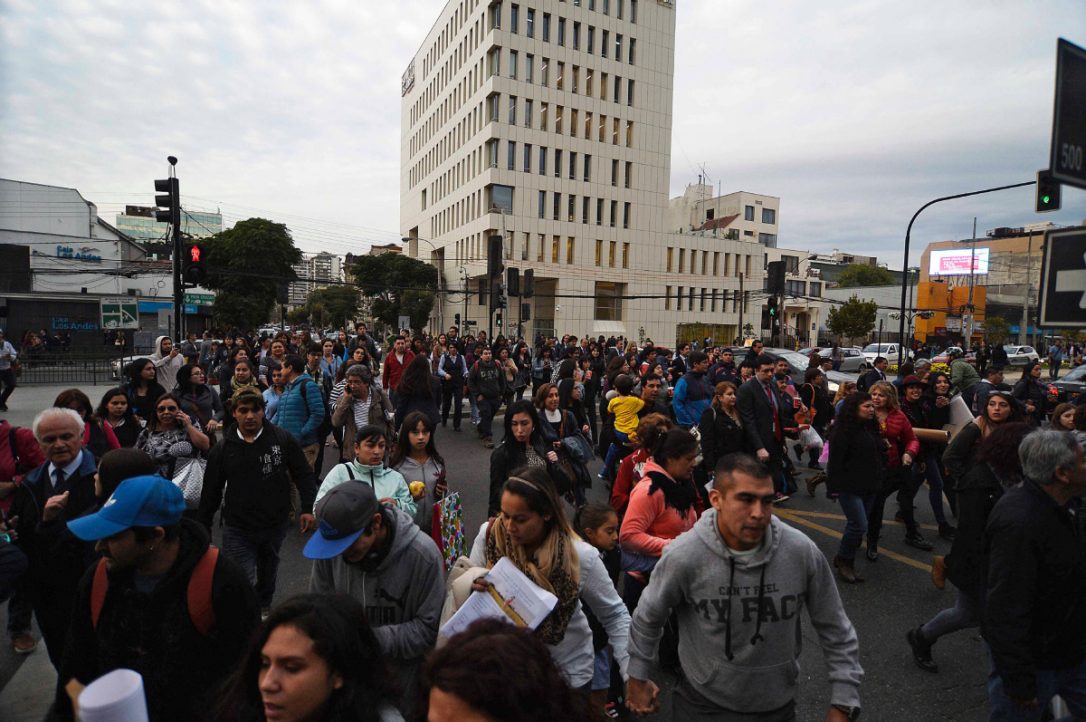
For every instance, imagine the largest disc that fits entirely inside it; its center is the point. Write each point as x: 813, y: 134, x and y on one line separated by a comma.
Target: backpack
x: 326, y: 423
x: 200, y: 604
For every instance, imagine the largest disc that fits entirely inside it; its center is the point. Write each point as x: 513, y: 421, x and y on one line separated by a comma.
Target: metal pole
x: 1022, y: 328
x: 178, y: 289
x: 742, y: 333
x: 972, y: 272
x: 878, y: 342
x: 908, y: 237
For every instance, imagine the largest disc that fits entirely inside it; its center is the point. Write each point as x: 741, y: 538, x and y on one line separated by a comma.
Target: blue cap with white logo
x: 145, y: 501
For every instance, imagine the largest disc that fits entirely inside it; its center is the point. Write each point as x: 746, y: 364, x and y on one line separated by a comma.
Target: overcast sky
x: 854, y: 112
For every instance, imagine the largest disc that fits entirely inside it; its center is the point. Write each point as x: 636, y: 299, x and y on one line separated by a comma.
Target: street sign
x: 1063, y: 279
x: 118, y: 313
x: 1068, y: 157
x: 200, y: 299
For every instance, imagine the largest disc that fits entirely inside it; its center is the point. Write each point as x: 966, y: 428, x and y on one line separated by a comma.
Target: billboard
x: 955, y: 262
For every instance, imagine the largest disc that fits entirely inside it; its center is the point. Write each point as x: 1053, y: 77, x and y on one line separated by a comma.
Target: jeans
x: 965, y: 614
x: 257, y: 553
x: 613, y: 450
x: 12, y: 565
x: 1054, y: 369
x: 474, y: 408
x: 7, y: 378
x: 1069, y: 684
x: 857, y: 509
x: 634, y: 562
x: 452, y: 397
x: 899, y: 480
x: 934, y: 478
x: 487, y: 409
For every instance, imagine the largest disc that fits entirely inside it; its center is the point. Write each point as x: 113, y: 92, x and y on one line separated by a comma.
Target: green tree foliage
x: 397, y: 285
x: 332, y: 306
x: 853, y: 318
x: 859, y: 274
x: 996, y: 329
x: 247, y: 262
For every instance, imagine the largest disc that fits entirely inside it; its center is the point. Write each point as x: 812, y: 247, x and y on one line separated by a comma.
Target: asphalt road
x: 897, y: 595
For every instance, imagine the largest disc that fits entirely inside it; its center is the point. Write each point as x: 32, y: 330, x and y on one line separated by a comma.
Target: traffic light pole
x: 178, y: 287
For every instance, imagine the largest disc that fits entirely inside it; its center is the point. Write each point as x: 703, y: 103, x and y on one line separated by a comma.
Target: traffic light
x: 169, y: 204
x: 773, y: 307
x: 1048, y: 192
x: 529, y: 284
x: 456, y: 318
x: 512, y: 281
x: 494, y: 253
x: 194, y: 264
x: 525, y: 312
x: 775, y: 278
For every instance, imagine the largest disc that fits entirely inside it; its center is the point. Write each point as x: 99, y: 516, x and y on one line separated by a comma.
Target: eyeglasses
x: 161, y: 409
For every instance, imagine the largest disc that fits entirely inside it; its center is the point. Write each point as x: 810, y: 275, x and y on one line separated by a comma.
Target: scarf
x: 554, y: 567
x: 235, y: 387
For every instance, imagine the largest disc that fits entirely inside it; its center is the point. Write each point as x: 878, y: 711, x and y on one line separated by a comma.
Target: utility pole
x: 1024, y: 326
x: 742, y: 333
x: 968, y: 330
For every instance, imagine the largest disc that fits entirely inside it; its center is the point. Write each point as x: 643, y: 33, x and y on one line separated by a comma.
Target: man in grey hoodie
x: 738, y: 582
x: 167, y: 360
x: 377, y: 555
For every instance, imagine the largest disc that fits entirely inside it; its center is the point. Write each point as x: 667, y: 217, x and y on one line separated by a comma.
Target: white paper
x: 114, y: 697
x: 960, y: 415
x: 529, y: 601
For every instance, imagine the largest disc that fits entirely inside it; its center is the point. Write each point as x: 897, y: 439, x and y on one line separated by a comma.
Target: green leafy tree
x: 996, y: 328
x: 859, y: 274
x: 247, y: 263
x: 397, y: 285
x: 853, y: 318
x: 328, y: 306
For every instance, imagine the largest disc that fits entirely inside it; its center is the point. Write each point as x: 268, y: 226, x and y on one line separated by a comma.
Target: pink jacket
x: 650, y: 525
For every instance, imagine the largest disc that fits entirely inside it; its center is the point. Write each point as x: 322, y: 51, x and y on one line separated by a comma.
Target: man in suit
x: 873, y: 375
x: 766, y: 412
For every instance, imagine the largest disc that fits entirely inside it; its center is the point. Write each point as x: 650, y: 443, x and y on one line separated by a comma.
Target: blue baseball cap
x: 146, y: 501
x: 343, y: 515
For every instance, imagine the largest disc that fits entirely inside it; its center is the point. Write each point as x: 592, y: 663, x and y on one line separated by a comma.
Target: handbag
x: 578, y: 447
x: 188, y: 476
x: 447, y: 529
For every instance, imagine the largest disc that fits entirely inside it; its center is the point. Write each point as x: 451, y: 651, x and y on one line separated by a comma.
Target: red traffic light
x: 194, y: 252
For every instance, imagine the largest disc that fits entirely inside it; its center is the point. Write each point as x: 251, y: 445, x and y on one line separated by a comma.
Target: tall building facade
x: 139, y: 223
x: 548, y: 123
x: 317, y: 270
x: 742, y: 216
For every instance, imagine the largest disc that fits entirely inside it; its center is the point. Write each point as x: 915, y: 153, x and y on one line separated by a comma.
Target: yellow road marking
x: 841, y: 517
x: 792, y: 516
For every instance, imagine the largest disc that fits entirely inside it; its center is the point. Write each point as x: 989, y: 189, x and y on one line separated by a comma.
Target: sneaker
x: 921, y: 651
x: 938, y: 572
x: 23, y: 643
x: 488, y: 442
x: 916, y: 541
x: 780, y: 498
x: 872, y: 550
x: 814, y: 465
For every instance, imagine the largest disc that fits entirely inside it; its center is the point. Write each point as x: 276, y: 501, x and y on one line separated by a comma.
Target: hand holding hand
x: 642, y: 696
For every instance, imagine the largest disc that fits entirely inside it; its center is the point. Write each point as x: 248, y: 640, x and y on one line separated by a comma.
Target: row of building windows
x: 620, y: 51
x: 567, y: 163
x: 565, y: 78
x: 588, y: 126
x: 568, y: 211
x: 700, y: 262
x: 705, y: 298
x: 769, y: 215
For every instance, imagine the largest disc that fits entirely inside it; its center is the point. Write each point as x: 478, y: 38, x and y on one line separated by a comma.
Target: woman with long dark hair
x: 998, y: 468
x: 523, y: 444
x: 721, y: 430
x: 855, y: 473
x: 199, y: 400
x: 142, y: 388
x: 172, y: 435
x: 533, y: 533
x: 418, y: 390
x: 416, y: 457
x: 116, y: 413
x: 98, y: 437
x: 314, y: 658
x: 1001, y: 408
x: 1032, y: 392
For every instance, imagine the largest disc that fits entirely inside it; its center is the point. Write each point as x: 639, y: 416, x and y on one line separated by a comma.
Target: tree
x: 859, y: 274
x: 328, y: 306
x: 247, y: 263
x: 853, y: 318
x: 996, y: 329
x: 397, y: 285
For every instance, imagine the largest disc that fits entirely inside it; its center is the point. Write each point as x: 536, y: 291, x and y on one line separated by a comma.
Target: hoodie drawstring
x: 728, y: 619
x: 761, y: 595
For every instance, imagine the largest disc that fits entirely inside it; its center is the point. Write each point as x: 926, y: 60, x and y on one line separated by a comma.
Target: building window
x: 542, y: 204
x: 574, y: 121
x: 559, y: 113
x: 527, y: 246
x: 633, y: 46
x: 587, y: 175
x: 591, y: 40
x: 527, y: 112
x: 557, y: 162
x: 511, y: 155
x: 795, y: 288
x: 514, y: 56
x: 571, y: 210
x: 701, y: 307
x: 543, y: 108
x: 614, y: 213
x: 618, y: 47
x: 584, y: 209
x: 496, y: 15
x: 542, y: 160
x: 514, y: 18
x: 609, y: 300
x: 670, y: 255
x: 546, y: 27
x: 493, y: 102
x: 529, y: 23
x: 603, y: 124
x: 633, y: 12
x: 527, y: 158
x: 557, y: 206
x: 748, y: 213
x: 606, y: 6
x: 572, y: 165
x: 561, y: 32
x: 629, y: 133
x: 815, y: 289
x: 529, y: 68
x: 561, y: 75
x: 599, y: 253
x: 544, y: 71
x: 617, y: 87
x: 512, y: 110
x: 501, y: 198
x: 587, y: 125
x: 599, y: 211
x: 625, y: 255
x: 627, y: 180
x: 555, y: 243
x: 678, y: 298
x: 605, y: 38
x: 769, y: 240
x: 626, y: 215
x: 690, y: 300
x: 712, y: 301
x: 614, y: 131
x: 495, y: 61
x: 611, y: 246
x: 573, y: 77
x: 629, y: 92
x: 667, y: 298
x: 614, y: 172
x: 769, y: 215
x: 542, y: 246
x: 570, y: 250
x: 492, y: 153
x: 682, y: 259
x: 716, y: 265
x: 576, y: 36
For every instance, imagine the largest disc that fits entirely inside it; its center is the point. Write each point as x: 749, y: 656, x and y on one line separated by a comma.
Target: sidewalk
x: 28, y: 695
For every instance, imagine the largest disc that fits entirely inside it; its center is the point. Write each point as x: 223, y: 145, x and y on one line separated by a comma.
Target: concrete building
x: 139, y: 222
x: 741, y: 216
x: 318, y: 270
x: 549, y: 124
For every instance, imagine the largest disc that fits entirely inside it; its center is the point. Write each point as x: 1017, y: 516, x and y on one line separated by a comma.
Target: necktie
x: 777, y: 431
x: 59, y: 473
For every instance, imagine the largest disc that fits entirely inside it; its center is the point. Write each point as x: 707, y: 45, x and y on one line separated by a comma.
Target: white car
x: 1020, y: 355
x: 888, y: 351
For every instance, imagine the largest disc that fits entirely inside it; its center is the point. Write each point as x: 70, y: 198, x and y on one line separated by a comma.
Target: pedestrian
x: 963, y: 375
x: 368, y: 467
x: 301, y: 408
x: 116, y: 413
x: 470, y: 679
x: 330, y: 361
x: 737, y: 583
x: 624, y: 408
x: 452, y: 370
x: 534, y: 534
x: 167, y: 359
x: 1034, y: 615
x: 1063, y: 418
x: 872, y: 376
x: 8, y: 358
x: 650, y: 429
x: 198, y: 399
x: 998, y: 469
x: 1032, y: 393
x: 361, y: 403
x: 375, y: 553
x: 19, y: 453
x: 918, y: 410
x: 142, y: 388
x: 418, y: 390
x: 523, y: 444
x: 172, y: 436
x: 960, y: 454
x: 316, y: 657
x: 416, y: 457
x: 597, y: 524
x: 253, y: 468
x: 721, y: 430
x: 693, y: 394
x: 1055, y: 359
x: 765, y: 413
x: 394, y: 365
x: 487, y: 384
x: 161, y: 601
x: 98, y: 437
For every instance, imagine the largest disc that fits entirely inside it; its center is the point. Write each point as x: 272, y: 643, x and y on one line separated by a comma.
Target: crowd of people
x: 109, y: 510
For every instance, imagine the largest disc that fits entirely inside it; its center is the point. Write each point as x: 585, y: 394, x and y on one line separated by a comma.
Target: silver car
x: 1020, y: 355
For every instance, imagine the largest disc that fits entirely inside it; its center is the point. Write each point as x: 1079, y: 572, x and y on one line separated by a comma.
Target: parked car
x: 888, y: 351
x: 1020, y: 355
x: 1070, y: 387
x: 118, y: 365
x: 853, y: 361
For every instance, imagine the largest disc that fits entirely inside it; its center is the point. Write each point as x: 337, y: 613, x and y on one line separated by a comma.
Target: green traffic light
x: 1046, y: 199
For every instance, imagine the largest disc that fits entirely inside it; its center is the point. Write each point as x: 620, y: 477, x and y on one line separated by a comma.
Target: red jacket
x: 629, y: 473
x: 393, y: 369
x: 899, y: 432
x: 29, y: 452
x: 650, y: 525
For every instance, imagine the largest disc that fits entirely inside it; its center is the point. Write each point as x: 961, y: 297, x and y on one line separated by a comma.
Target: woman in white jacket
x: 369, y: 467
x: 533, y: 533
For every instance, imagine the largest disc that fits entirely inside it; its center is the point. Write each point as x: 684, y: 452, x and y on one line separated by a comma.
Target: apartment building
x: 741, y: 216
x: 548, y: 122
x: 318, y: 270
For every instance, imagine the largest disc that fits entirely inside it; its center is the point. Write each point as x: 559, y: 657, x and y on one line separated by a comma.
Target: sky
x: 854, y: 112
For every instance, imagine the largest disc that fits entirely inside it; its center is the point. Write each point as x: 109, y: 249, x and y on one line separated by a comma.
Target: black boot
x: 947, y: 531
x: 872, y: 549
x: 847, y: 570
x: 915, y: 540
x: 921, y: 651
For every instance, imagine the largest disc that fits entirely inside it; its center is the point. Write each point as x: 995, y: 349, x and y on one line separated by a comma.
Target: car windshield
x: 1010, y: 349
x: 877, y: 348
x: 1078, y: 374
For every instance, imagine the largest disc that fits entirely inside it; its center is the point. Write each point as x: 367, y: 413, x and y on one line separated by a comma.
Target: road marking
x: 841, y: 517
x: 789, y: 515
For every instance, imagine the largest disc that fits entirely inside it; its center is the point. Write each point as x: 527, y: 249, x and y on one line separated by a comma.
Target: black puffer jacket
x: 857, y: 461
x: 153, y: 634
x: 978, y: 492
